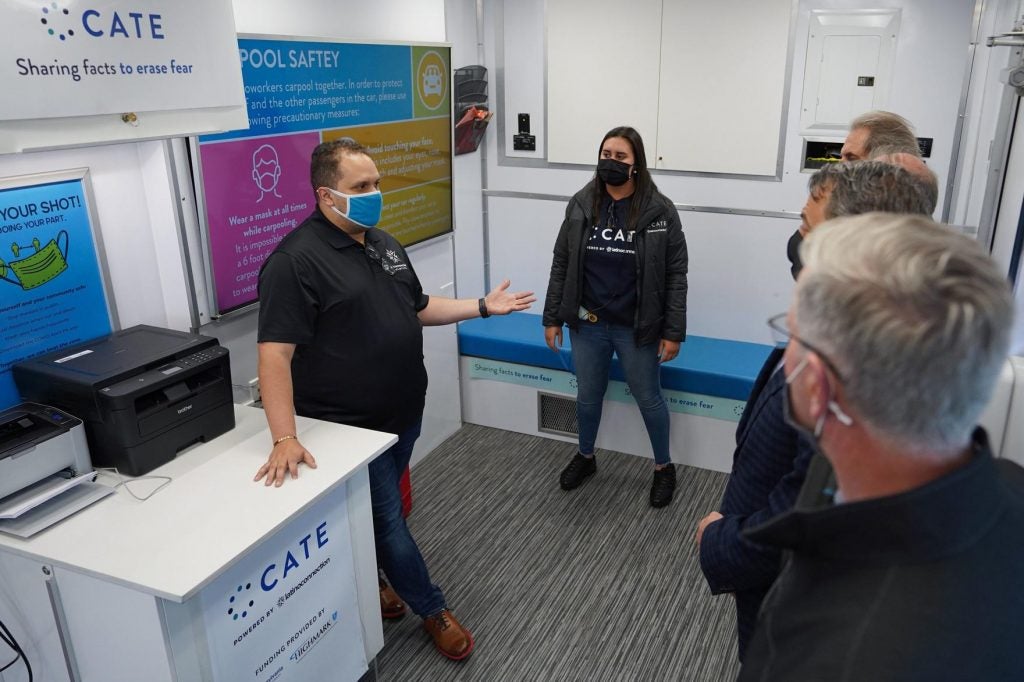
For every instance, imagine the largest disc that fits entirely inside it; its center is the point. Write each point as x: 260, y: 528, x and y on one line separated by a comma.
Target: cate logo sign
x: 55, y: 19
x: 271, y: 574
x: 242, y: 599
x: 239, y: 602
x: 58, y: 21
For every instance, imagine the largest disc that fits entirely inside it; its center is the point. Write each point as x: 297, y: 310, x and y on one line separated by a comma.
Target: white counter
x: 206, y: 521
x: 208, y: 517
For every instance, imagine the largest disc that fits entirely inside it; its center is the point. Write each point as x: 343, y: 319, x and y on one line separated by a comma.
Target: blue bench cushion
x: 707, y: 366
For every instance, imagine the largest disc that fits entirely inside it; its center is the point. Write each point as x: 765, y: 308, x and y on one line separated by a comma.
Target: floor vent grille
x: 556, y: 414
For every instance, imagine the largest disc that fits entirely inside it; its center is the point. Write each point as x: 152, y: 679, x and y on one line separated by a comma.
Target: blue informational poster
x: 52, y: 290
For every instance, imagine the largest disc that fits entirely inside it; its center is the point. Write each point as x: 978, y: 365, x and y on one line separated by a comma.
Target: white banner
x: 89, y: 57
x: 288, y: 611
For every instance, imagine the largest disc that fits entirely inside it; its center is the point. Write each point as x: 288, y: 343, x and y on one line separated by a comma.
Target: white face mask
x: 789, y: 416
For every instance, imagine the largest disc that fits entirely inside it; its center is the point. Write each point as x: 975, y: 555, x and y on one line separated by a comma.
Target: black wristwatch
x: 482, y: 304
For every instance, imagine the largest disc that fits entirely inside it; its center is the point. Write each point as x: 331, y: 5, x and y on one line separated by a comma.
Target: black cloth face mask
x: 793, y: 253
x: 613, y: 172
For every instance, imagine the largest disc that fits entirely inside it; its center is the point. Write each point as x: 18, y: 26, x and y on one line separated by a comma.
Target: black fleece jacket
x: 661, y: 264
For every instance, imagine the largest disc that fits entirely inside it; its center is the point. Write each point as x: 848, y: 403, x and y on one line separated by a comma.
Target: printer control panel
x: 196, y: 359
x: 159, y: 376
x: 29, y: 424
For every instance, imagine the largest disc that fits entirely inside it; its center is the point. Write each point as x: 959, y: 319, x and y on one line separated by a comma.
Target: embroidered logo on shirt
x: 658, y: 226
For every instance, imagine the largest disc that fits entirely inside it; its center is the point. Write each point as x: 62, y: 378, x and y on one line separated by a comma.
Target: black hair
x: 643, y: 182
x: 325, y: 166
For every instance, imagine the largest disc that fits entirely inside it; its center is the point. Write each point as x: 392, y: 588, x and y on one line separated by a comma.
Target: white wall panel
x: 522, y: 94
x: 522, y: 238
x: 723, y: 76
x: 601, y: 72
x: 443, y: 414
x: 398, y: 20
x: 739, y: 274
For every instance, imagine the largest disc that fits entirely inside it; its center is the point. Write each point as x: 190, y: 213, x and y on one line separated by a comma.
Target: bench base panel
x: 695, y: 440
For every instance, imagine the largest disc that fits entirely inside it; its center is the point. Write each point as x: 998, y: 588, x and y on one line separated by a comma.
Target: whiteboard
x: 704, y: 83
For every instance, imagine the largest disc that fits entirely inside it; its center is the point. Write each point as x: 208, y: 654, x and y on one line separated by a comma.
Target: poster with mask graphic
x: 254, y: 184
x: 53, y: 292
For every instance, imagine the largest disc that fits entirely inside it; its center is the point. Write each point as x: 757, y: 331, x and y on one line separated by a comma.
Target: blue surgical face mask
x: 363, y: 209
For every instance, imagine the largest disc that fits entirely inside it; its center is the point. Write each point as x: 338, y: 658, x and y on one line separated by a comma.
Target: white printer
x: 42, y: 452
x: 37, y: 442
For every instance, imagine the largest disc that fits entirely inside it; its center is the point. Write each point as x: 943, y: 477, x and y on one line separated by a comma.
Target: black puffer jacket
x: 661, y: 264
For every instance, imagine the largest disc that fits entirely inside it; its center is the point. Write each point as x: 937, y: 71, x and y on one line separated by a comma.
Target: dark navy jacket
x: 769, y: 466
x: 924, y: 585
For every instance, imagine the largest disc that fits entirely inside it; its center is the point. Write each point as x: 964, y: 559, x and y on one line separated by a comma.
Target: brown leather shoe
x: 391, y: 606
x: 450, y: 638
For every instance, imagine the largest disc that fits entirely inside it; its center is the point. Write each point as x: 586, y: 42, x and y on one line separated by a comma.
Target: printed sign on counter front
x: 287, y: 612
x: 62, y: 58
x: 393, y: 99
x: 52, y: 292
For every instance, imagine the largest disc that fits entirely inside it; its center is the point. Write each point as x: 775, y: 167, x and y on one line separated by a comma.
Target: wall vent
x: 556, y: 414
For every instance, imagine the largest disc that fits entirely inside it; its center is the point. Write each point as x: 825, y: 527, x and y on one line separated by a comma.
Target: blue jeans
x: 397, y: 553
x: 592, y: 347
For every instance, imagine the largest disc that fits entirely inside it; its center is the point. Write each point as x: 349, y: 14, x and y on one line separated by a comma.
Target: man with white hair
x: 908, y: 567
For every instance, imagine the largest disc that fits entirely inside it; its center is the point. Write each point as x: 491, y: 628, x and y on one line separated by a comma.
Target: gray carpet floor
x: 592, y: 584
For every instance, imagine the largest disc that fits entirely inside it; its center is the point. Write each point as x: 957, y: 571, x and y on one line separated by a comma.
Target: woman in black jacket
x: 618, y: 279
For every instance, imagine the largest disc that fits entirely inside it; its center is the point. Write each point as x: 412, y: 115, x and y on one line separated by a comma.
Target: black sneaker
x: 664, y: 485
x: 579, y: 468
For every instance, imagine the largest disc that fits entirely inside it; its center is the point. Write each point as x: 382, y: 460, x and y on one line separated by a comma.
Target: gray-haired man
x: 924, y: 175
x: 845, y: 189
x: 877, y: 133
x: 898, y: 330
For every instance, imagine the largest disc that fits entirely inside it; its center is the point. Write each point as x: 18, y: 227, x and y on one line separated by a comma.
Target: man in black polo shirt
x: 341, y: 339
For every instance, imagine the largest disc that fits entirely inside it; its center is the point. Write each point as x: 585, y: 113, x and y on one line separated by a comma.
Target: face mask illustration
x: 38, y: 268
x: 266, y: 171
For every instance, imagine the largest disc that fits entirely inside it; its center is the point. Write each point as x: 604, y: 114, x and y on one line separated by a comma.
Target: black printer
x: 144, y: 393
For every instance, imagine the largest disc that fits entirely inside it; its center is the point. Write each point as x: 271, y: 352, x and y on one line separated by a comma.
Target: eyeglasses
x: 781, y: 335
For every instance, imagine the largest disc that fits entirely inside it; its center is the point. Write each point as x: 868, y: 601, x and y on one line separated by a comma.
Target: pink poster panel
x: 257, y: 191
